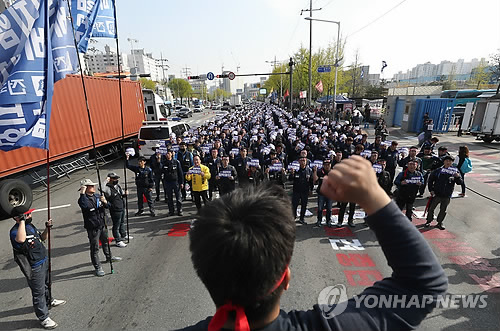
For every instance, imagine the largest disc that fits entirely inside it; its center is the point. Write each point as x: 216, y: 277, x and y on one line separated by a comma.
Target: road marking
x: 51, y: 208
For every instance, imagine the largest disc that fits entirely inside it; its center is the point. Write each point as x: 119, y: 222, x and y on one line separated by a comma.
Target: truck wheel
x: 13, y: 193
x: 487, y: 139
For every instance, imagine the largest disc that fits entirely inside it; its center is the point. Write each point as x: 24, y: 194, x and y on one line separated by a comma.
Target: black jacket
x: 93, y: 211
x: 302, y: 180
x: 114, y: 195
x: 143, y: 176
x: 443, y: 183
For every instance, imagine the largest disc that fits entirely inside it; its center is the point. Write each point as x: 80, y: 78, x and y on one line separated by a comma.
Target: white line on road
x: 52, y: 208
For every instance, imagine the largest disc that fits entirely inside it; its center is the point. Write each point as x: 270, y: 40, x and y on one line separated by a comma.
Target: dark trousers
x: 422, y: 187
x: 157, y: 180
x: 444, y: 201
x: 94, y: 236
x: 324, y: 203
x: 343, y: 207
x: 149, y: 197
x: 392, y: 172
x: 212, y: 187
x: 173, y: 189
x: 198, y: 195
x: 408, y: 204
x: 119, y: 230
x: 301, y: 197
x: 463, y: 182
x: 39, y: 285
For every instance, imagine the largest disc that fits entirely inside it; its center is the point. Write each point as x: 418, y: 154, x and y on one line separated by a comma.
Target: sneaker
x: 99, y: 272
x: 351, y: 223
x: 339, y: 225
x: 129, y: 237
x: 139, y: 213
x: 461, y: 195
x: 121, y: 244
x: 420, y: 195
x: 302, y: 222
x: 114, y: 259
x: 440, y: 226
x: 171, y: 214
x: 317, y: 225
x: 428, y: 224
x: 56, y: 302
x: 152, y: 213
x: 48, y: 324
x: 180, y: 213
x: 157, y: 199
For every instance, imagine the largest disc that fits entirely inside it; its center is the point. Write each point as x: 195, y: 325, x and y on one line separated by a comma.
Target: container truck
x: 69, y: 139
x: 235, y: 100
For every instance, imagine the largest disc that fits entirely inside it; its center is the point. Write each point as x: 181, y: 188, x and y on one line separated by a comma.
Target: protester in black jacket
x: 384, y: 177
x: 115, y: 197
x: 156, y: 164
x: 257, y: 215
x: 226, y: 176
x: 408, y: 183
x: 213, y: 163
x: 173, y: 182
x: 144, y: 182
x: 302, y: 187
x: 441, y: 184
x: 241, y: 164
x: 93, y: 209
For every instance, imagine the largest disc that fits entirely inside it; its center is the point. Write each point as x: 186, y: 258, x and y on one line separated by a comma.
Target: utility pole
x: 309, y: 87
x: 162, y: 65
x: 291, y: 83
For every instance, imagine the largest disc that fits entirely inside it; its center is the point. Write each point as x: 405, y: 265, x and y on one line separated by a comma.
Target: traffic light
x: 193, y: 77
x: 221, y: 76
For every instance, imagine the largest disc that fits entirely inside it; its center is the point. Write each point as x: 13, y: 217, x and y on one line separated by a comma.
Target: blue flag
x: 92, y: 18
x: 28, y: 72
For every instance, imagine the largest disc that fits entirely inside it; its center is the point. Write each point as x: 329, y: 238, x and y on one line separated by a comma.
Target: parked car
x: 216, y: 107
x: 198, y: 108
x: 185, y: 112
x: 157, y: 132
x: 226, y: 106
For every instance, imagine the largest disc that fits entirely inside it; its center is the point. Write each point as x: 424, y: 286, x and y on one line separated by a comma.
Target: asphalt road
x: 155, y: 286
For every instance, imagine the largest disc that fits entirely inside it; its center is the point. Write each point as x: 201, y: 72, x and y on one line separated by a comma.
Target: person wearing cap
x: 93, y: 208
x: 199, y: 189
x: 391, y: 155
x: 408, y: 183
x: 226, y: 176
x: 156, y: 164
x: 375, y: 146
x: 302, y: 188
x: 144, y: 182
x: 31, y: 256
x: 247, y: 277
x: 441, y: 185
x: 115, y: 196
x: 432, y: 142
x: 323, y: 201
x: 186, y: 159
x: 277, y: 177
x: 412, y: 156
x: 173, y: 181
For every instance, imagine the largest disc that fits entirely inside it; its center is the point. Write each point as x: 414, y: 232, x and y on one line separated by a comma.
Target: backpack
x: 466, y: 166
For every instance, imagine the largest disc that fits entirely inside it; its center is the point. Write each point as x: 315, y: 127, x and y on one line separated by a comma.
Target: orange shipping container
x: 69, y: 127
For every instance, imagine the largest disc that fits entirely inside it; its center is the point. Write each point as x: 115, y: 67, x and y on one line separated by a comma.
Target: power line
x: 375, y: 20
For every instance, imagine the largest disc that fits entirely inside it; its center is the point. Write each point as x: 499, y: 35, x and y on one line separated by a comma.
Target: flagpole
x: 91, y: 128
x: 121, y: 118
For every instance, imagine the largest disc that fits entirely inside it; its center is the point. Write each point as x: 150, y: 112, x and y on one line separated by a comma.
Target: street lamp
x: 131, y: 40
x: 336, y: 56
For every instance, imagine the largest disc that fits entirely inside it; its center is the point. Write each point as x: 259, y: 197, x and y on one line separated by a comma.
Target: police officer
x: 115, y: 197
x: 391, y: 155
x: 186, y: 159
x: 408, y: 183
x: 226, y: 176
x: 173, y: 181
x: 302, y: 187
x: 275, y: 176
x: 384, y: 177
x: 156, y: 164
x: 144, y: 182
x: 31, y: 256
x: 93, y: 209
x: 441, y: 184
x: 323, y: 202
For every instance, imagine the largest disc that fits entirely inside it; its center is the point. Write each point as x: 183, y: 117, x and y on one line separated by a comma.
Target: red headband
x: 241, y: 321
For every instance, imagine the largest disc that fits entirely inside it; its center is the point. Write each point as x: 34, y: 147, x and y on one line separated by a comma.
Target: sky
x: 206, y: 35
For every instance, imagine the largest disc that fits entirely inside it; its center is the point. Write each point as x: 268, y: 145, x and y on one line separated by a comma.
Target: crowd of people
x: 261, y: 145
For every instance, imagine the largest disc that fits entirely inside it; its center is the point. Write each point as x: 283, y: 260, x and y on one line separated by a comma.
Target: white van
x: 158, y: 132
x: 155, y: 108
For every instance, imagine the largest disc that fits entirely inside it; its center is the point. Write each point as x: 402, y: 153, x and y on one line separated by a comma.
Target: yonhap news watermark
x: 332, y: 301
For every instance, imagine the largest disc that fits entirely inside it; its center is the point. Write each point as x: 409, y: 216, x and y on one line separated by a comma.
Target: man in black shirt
x: 156, y: 164
x: 246, y: 288
x: 302, y: 187
x: 226, y: 176
x: 241, y: 164
x: 213, y: 163
x: 115, y: 196
x: 173, y: 181
x: 144, y: 182
x: 31, y: 256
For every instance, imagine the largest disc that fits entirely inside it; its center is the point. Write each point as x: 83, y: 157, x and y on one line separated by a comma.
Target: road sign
x: 231, y: 75
x: 325, y: 69
x: 210, y: 75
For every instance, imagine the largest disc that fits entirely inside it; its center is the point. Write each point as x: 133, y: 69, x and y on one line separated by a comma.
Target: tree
x: 219, y: 93
x: 147, y: 84
x: 180, y: 88
x: 495, y: 66
x: 480, y: 75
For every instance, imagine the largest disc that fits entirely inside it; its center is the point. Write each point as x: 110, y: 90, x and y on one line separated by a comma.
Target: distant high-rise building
x: 145, y: 64
x: 105, y: 62
x: 226, y: 82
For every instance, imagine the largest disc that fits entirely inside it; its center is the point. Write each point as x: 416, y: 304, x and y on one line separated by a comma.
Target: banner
x: 194, y: 171
x: 319, y: 87
x: 276, y: 167
x: 378, y: 168
x: 92, y: 18
x: 303, y: 94
x: 28, y: 72
x: 225, y: 173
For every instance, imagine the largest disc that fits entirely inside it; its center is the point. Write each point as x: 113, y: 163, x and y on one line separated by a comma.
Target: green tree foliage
x: 219, y: 94
x: 147, y: 84
x: 180, y: 88
x: 480, y: 75
x: 495, y: 66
